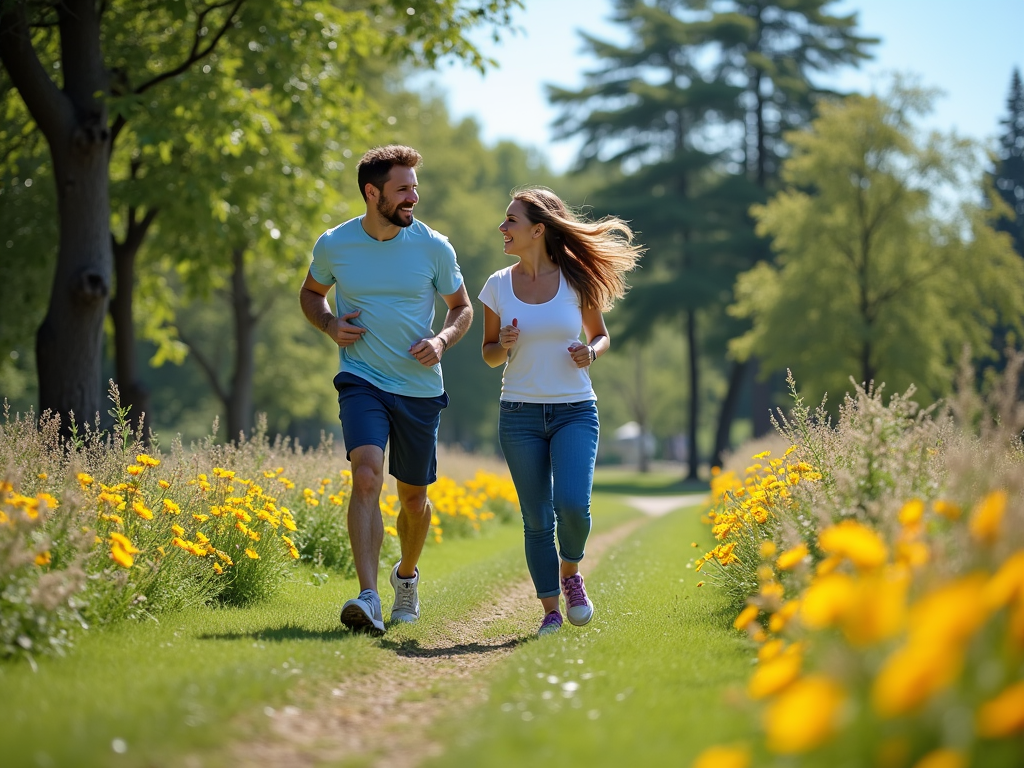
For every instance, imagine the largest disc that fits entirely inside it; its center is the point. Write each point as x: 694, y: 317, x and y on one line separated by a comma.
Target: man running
x: 386, y: 268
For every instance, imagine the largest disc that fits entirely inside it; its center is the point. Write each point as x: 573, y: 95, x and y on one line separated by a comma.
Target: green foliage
x: 1008, y: 175
x: 872, y: 275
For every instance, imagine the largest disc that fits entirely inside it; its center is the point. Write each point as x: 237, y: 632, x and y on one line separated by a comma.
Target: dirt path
x: 656, y: 506
x: 385, y: 718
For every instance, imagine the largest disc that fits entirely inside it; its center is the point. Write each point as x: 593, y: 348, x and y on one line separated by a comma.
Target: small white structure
x: 629, y: 442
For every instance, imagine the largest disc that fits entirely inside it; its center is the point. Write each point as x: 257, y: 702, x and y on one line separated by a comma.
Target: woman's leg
x: 573, y: 455
x: 523, y: 441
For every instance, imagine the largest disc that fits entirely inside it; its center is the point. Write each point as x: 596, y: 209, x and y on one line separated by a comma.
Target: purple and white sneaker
x: 578, y: 607
x: 551, y: 624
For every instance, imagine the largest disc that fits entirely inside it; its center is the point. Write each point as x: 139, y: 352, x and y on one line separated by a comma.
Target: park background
x: 214, y: 230
x: 847, y: 589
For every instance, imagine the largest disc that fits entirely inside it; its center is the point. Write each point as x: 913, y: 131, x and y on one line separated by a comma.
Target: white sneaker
x: 578, y: 607
x: 407, y: 598
x: 363, y: 613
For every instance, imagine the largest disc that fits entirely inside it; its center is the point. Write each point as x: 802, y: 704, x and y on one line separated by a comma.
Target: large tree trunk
x: 133, y: 392
x: 737, y: 377
x: 239, y: 404
x: 70, y: 340
x: 694, y: 352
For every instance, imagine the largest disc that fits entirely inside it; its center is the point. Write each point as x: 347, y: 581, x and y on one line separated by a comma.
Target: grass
x: 196, y: 679
x: 642, y: 685
x: 628, y: 481
x: 649, y: 669
x: 172, y: 687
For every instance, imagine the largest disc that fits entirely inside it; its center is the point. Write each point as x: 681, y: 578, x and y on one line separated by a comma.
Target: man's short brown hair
x: 375, y: 166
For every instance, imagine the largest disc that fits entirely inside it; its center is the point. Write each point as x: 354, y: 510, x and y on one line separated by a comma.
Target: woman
x: 569, y: 272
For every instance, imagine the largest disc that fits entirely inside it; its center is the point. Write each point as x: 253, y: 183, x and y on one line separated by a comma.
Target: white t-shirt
x: 540, y: 368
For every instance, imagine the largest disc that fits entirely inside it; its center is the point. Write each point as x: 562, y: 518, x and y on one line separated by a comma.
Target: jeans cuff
x: 565, y: 559
x: 556, y: 593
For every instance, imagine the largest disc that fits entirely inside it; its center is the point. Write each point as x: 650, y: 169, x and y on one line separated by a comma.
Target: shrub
x: 888, y: 604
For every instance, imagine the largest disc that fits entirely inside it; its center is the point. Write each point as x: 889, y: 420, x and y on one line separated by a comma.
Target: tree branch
x: 194, y: 55
x: 48, y: 106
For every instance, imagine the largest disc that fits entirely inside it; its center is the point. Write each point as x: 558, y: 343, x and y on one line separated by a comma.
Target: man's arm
x: 313, y: 300
x: 456, y: 323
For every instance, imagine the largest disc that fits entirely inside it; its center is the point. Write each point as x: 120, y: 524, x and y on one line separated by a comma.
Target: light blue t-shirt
x: 393, y: 283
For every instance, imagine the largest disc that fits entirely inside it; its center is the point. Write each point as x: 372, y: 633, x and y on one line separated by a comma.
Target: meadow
x: 849, y: 593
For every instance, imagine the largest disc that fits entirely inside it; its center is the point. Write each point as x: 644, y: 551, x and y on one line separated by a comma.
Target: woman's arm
x: 497, y: 339
x: 597, y: 338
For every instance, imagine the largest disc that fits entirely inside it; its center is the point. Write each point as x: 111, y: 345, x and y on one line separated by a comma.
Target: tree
x: 649, y: 105
x: 97, y: 89
x: 1008, y: 175
x: 873, y: 278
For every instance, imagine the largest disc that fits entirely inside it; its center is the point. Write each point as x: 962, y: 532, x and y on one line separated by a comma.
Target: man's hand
x: 428, y: 351
x: 343, y: 332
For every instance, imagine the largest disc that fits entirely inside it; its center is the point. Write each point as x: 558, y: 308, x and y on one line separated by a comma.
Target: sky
x: 965, y: 48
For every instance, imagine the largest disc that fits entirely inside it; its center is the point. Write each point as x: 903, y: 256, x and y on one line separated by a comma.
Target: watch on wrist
x: 444, y: 344
x: 593, y: 352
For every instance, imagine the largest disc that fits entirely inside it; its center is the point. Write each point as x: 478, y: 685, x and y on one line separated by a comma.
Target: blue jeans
x: 550, y: 449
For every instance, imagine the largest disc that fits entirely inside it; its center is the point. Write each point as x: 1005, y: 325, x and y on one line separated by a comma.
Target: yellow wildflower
x: 171, y: 507
x: 827, y: 600
x: 791, y: 558
x: 1007, y: 584
x: 1004, y: 715
x: 987, y: 517
x: 804, y: 715
x: 135, y: 470
x: 946, y: 509
x: 147, y: 461
x: 910, y: 514
x: 912, y: 674
x: 854, y: 542
x: 251, y: 554
x: 178, y: 530
x: 774, y: 675
x: 778, y: 620
x: 142, y: 510
x: 943, y: 758
x: 121, y: 556
x: 199, y: 517
x: 723, y: 757
x: 43, y: 558
x: 390, y: 530
x: 163, y: 484
x: 84, y: 480
x: 747, y: 615
x: 217, y: 569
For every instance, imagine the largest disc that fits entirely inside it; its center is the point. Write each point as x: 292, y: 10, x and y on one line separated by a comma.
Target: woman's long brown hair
x: 594, y: 256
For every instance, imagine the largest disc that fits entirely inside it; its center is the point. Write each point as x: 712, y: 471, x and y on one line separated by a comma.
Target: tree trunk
x: 737, y: 377
x: 133, y: 392
x: 69, y: 342
x: 691, y: 341
x: 239, y: 403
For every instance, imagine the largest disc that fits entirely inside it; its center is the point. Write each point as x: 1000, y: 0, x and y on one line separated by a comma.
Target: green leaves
x: 873, y: 277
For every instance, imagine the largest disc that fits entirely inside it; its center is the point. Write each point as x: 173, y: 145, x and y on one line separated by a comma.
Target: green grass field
x: 642, y: 682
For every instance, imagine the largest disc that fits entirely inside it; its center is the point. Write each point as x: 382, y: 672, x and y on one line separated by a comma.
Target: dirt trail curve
x: 385, y: 717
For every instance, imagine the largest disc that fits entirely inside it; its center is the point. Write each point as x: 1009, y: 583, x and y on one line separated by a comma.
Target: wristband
x: 593, y: 352
x: 444, y: 344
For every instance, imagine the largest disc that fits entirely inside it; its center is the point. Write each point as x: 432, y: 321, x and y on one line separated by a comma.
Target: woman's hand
x: 581, y: 354
x: 508, y: 335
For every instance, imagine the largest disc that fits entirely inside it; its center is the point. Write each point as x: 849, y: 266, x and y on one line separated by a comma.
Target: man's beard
x: 392, y: 215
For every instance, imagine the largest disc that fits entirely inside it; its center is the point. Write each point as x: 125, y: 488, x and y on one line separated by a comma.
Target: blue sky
x: 966, y: 48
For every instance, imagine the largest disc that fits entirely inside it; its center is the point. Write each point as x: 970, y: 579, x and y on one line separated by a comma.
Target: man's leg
x: 413, y: 526
x: 365, y: 526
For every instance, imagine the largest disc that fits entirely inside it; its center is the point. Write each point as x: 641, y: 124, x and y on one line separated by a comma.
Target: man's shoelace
x: 406, y: 599
x: 574, y: 592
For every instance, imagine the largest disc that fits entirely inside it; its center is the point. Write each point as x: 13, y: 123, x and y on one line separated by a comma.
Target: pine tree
x: 1008, y: 176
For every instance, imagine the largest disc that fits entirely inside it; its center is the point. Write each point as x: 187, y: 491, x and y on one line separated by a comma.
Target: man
x: 386, y: 268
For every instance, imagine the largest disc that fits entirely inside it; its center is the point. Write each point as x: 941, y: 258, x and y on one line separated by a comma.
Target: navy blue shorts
x: 371, y: 416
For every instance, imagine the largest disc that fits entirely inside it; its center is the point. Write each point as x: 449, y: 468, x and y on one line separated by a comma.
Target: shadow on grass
x: 282, y: 634
x: 413, y: 649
